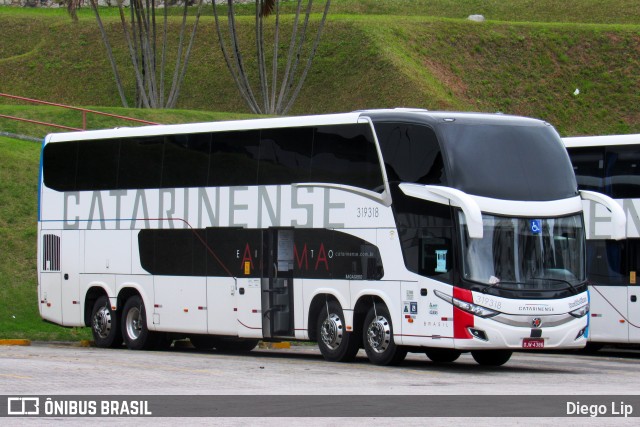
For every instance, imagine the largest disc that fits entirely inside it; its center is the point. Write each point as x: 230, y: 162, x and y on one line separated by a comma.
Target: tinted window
x: 97, y: 165
x: 425, y: 232
x: 623, y: 172
x: 508, y: 161
x: 59, y: 163
x: 186, y: 160
x: 234, y: 158
x: 607, y: 263
x: 411, y: 153
x: 285, y: 155
x: 173, y: 252
x: 588, y: 166
x: 140, y: 162
x: 346, y: 154
x: 317, y: 253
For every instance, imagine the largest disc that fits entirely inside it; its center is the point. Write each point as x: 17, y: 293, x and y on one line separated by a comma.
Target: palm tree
x: 148, y: 60
x: 268, y: 99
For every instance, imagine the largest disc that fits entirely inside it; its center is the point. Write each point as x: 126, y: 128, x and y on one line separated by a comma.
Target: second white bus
x: 611, y: 165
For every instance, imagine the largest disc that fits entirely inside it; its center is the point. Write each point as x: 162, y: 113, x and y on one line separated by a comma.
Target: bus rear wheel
x: 378, y: 338
x: 491, y: 357
x: 334, y: 342
x: 134, y: 326
x: 104, y: 324
x: 443, y: 355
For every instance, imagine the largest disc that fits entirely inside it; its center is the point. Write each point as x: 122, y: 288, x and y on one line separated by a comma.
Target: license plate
x: 533, y: 343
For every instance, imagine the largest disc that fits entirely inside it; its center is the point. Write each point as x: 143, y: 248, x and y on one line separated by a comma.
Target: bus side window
x: 234, y: 158
x: 607, y: 262
x: 97, y: 165
x: 346, y: 154
x: 411, y: 153
x: 285, y: 156
x: 588, y: 166
x: 186, y: 160
x: 435, y: 254
x: 140, y: 162
x: 622, y: 172
x: 59, y: 163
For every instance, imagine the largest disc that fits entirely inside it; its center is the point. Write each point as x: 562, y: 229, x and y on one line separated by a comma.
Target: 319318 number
x: 367, y: 212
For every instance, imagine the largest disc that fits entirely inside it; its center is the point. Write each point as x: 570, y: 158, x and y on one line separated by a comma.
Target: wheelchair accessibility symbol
x: 536, y: 226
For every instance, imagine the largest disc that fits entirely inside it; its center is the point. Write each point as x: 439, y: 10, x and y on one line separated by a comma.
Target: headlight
x: 476, y: 310
x: 581, y: 312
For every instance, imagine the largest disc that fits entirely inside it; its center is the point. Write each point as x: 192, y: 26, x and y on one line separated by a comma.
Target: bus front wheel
x: 378, y: 338
x: 104, y: 324
x: 491, y: 357
x: 335, y: 343
x: 134, y: 325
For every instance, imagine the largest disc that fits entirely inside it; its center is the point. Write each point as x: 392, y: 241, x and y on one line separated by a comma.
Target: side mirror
x: 618, y: 218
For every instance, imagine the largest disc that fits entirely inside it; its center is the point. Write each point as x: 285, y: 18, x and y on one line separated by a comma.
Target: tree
x: 148, y: 60
x: 275, y: 95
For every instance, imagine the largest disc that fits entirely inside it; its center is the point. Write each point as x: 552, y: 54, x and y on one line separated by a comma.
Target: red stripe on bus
x: 461, y: 319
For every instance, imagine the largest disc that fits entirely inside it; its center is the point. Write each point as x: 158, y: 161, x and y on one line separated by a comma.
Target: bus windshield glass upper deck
x: 527, y: 161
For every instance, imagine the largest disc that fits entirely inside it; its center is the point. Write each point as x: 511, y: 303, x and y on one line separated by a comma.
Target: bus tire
x: 134, y: 325
x: 491, y: 357
x: 378, y: 338
x: 104, y: 324
x: 334, y: 342
x: 234, y: 345
x: 202, y: 342
x: 443, y: 355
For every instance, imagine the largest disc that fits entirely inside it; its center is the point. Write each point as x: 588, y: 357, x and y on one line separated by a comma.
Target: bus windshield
x: 525, y: 254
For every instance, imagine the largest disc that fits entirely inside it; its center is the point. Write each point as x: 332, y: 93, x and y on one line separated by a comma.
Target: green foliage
x: 585, y: 11
x: 376, y: 60
x: 72, y: 118
x: 19, y: 316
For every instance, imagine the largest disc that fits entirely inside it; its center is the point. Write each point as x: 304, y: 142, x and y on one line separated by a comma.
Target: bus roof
x: 279, y: 122
x: 402, y: 114
x: 597, y: 141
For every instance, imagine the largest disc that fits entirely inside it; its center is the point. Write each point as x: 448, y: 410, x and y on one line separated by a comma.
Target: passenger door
x: 249, y: 261
x: 633, y: 291
x: 277, y: 283
x: 634, y: 313
x: 607, y: 263
x: 608, y: 313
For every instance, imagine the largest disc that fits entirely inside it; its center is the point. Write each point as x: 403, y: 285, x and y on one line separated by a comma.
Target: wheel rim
x: 102, y: 322
x: 379, y: 334
x: 331, y: 331
x: 134, y: 323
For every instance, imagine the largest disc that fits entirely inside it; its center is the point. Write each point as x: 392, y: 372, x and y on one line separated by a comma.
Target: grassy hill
x: 528, y: 58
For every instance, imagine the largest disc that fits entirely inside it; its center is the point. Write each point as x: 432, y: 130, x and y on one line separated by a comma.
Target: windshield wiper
x: 486, y: 289
x: 569, y: 285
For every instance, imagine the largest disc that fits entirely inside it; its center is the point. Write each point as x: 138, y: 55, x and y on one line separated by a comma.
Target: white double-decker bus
x: 610, y: 165
x: 388, y: 230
